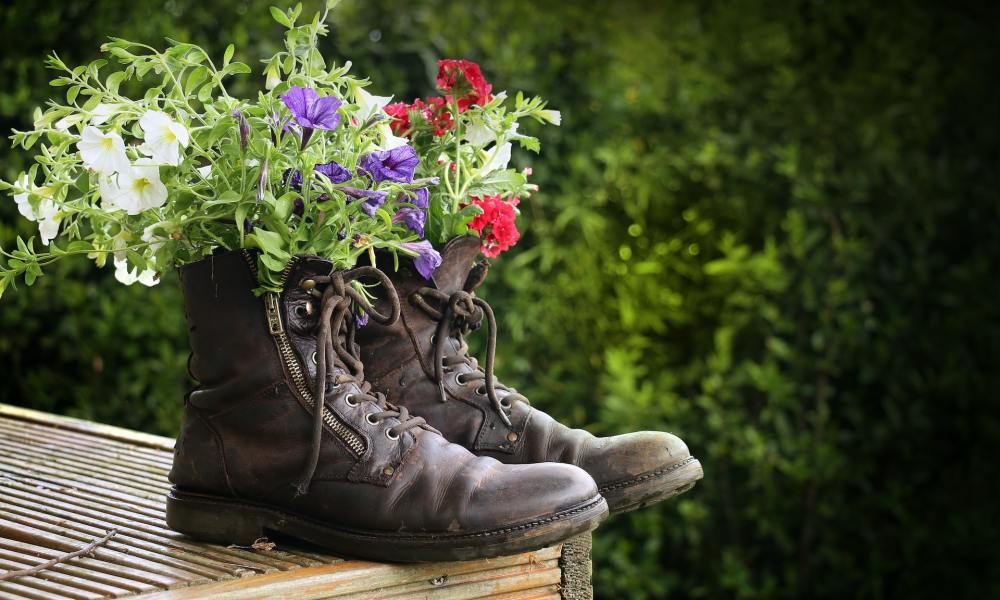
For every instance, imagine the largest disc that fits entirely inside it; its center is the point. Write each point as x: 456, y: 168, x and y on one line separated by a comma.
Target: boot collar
x: 456, y: 261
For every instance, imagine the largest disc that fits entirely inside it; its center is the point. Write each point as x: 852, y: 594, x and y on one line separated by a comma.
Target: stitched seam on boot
x: 647, y: 476
x: 221, y: 447
x: 491, y: 532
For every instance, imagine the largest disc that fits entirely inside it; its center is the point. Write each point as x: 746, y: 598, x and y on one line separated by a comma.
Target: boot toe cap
x: 520, y: 493
x: 633, y: 454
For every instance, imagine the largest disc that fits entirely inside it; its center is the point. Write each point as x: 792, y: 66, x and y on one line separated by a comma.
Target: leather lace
x: 457, y: 315
x: 336, y: 341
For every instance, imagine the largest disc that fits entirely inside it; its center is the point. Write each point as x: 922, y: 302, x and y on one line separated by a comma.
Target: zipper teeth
x: 291, y: 361
x: 299, y: 378
x: 250, y: 262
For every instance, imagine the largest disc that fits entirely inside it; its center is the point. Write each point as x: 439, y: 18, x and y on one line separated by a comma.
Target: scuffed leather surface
x: 246, y: 431
x: 397, y: 361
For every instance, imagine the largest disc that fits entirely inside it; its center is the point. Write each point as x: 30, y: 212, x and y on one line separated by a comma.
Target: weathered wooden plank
x: 105, y: 519
x: 95, y: 429
x: 65, y: 482
x: 90, y: 455
x: 346, y: 578
x: 141, y: 486
x: 87, y: 568
x: 59, y: 575
x: 41, y: 535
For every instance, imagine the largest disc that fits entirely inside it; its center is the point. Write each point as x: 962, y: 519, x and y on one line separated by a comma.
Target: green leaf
x: 228, y: 56
x: 283, y: 205
x: 238, y: 68
x: 79, y: 246
x: 196, y: 77
x: 114, y: 81
x: 269, y: 242
x: 227, y: 197
x: 136, y: 259
x: 280, y: 17
x: 205, y: 93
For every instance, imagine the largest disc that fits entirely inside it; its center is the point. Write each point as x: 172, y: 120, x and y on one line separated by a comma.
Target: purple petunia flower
x: 312, y: 111
x: 279, y: 125
x: 427, y: 259
x: 292, y: 178
x: 414, y: 218
x: 372, y: 198
x: 330, y: 170
x: 397, y: 164
x: 422, y: 198
x: 360, y: 319
x: 334, y: 172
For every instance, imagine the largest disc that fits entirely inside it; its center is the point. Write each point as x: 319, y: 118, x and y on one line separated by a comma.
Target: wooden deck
x: 65, y: 483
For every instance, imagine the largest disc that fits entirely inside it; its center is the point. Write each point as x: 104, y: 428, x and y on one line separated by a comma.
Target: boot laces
x: 458, y: 315
x: 335, y: 343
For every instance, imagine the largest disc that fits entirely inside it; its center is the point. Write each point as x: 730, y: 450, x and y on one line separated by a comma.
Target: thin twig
x: 59, y: 559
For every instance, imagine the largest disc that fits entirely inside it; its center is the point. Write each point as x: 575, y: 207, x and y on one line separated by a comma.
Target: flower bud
x: 243, y: 126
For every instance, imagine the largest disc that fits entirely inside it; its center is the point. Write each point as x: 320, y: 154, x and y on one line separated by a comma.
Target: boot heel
x: 214, y: 520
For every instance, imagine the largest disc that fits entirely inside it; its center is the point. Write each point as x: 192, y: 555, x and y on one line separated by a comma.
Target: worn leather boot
x: 422, y: 362
x: 360, y: 477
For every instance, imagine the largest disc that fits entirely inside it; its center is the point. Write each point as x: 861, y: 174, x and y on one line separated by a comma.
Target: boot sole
x: 227, y: 521
x: 653, y: 486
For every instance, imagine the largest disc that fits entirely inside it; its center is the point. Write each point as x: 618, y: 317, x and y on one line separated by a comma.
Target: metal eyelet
x: 349, y: 399
x: 370, y: 417
x: 304, y: 311
x: 504, y: 403
x: 392, y: 436
x: 481, y: 390
x: 458, y: 379
x: 313, y: 358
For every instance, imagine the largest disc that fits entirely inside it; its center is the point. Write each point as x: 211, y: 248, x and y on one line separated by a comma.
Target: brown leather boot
x: 422, y: 362
x: 359, y: 477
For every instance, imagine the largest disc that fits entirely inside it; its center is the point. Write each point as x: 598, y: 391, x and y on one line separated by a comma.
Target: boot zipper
x: 272, y: 307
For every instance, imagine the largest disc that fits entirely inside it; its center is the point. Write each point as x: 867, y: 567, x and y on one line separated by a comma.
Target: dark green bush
x: 769, y: 227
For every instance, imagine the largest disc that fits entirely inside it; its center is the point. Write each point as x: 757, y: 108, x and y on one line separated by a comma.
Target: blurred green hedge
x: 769, y: 227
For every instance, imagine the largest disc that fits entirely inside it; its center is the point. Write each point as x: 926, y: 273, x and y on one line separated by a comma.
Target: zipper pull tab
x: 273, y: 308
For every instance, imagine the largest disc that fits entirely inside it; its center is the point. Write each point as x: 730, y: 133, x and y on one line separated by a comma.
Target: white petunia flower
x: 479, y: 135
x: 101, y: 113
x: 48, y: 220
x: 102, y: 152
x: 137, y: 189
x: 155, y: 241
x: 22, y: 199
x: 369, y: 105
x: 46, y: 215
x: 499, y: 159
x: 552, y: 116
x: 163, y: 137
x: 130, y: 276
x: 389, y: 140
x: 108, y: 190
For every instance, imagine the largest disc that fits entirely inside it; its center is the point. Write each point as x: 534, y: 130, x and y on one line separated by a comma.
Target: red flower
x: 464, y: 80
x: 435, y: 112
x: 495, y: 225
x: 400, y: 113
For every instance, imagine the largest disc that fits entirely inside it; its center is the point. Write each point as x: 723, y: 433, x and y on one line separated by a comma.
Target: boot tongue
x: 308, y: 266
x: 456, y: 261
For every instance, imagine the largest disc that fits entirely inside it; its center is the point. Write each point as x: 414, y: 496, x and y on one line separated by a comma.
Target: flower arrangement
x: 315, y: 164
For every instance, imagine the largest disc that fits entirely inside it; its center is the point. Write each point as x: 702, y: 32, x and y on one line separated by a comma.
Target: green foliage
x: 770, y: 228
